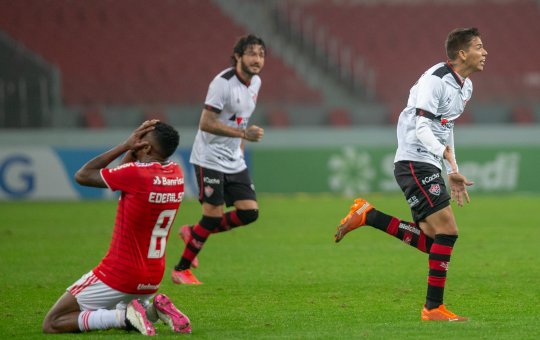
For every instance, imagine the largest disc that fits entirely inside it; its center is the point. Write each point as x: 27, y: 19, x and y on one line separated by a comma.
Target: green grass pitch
x: 284, y: 277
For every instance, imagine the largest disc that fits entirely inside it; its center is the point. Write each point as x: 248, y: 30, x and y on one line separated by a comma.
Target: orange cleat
x: 184, y: 277
x: 355, y: 219
x: 440, y: 314
x: 185, y: 235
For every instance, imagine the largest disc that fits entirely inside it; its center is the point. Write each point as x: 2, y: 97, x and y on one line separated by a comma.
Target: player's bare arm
x: 210, y: 123
x: 89, y: 174
x: 458, y: 182
x: 448, y: 154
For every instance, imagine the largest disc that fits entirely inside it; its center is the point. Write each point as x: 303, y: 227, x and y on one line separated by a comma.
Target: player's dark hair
x: 243, y: 43
x: 167, y: 139
x: 459, y: 39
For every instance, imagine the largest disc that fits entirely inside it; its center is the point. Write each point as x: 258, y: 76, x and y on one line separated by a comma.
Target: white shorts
x: 92, y: 294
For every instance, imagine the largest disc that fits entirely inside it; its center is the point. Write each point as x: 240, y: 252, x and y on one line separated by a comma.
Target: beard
x: 246, y: 70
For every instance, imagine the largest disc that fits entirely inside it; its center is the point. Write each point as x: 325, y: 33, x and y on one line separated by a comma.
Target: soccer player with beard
x: 218, y: 157
x: 425, y: 139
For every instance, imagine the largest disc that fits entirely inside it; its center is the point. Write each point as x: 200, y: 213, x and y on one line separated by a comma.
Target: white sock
x: 101, y: 319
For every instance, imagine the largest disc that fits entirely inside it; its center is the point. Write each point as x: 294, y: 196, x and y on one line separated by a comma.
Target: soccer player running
x: 218, y: 156
x: 117, y: 293
x: 425, y: 138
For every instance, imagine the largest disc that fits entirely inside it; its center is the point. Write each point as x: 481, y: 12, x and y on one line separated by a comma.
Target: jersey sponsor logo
x: 435, y: 189
x: 428, y: 179
x: 165, y: 197
x: 208, y: 191
x: 412, y: 201
x: 409, y: 228
x: 147, y: 286
x: 209, y: 180
x: 168, y: 181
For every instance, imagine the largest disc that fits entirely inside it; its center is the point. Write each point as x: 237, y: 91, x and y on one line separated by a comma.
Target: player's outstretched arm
x: 89, y: 174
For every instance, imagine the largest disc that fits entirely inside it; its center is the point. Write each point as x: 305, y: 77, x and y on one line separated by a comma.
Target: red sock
x: 439, y: 258
x: 407, y: 232
x: 228, y: 221
x: 199, y: 233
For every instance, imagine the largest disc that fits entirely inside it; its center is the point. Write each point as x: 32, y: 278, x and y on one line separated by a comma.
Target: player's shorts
x: 216, y: 187
x: 423, y: 187
x: 92, y: 294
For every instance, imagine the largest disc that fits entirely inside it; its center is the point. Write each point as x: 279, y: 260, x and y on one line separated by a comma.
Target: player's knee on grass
x: 49, y: 326
x: 248, y: 216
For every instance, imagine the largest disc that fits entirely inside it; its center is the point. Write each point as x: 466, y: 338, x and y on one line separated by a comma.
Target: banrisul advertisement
x: 354, y: 170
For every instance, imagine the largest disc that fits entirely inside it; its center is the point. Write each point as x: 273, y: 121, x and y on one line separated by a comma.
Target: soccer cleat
x: 170, y: 315
x: 440, y: 314
x: 185, y: 277
x: 185, y: 235
x: 136, y: 319
x: 354, y: 219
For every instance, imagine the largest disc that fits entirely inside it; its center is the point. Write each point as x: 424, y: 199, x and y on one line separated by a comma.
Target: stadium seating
x: 400, y: 39
x: 135, y: 52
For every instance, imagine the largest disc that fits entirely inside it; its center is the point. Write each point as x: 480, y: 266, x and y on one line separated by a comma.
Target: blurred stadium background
x: 76, y: 75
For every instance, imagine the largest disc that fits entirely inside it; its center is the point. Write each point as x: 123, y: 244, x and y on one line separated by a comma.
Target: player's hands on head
x: 134, y: 141
x: 458, y: 188
x: 254, y: 133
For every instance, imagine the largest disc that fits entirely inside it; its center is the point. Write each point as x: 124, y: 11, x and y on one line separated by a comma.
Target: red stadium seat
x: 126, y: 52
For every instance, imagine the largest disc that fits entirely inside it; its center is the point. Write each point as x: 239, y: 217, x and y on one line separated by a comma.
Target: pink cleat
x: 136, y: 319
x: 185, y: 235
x: 170, y: 315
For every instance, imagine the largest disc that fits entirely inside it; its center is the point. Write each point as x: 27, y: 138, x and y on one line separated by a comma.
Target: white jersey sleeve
x: 430, y: 92
x: 218, y: 93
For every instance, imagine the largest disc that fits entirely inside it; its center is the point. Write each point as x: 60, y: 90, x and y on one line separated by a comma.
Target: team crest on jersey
x: 407, y: 239
x: 435, y: 189
x: 208, y: 191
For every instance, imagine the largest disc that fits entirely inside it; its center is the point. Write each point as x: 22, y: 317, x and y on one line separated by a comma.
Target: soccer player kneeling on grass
x: 117, y: 293
x: 425, y: 137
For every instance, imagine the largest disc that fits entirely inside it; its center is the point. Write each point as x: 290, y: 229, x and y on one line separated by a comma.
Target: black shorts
x: 216, y: 187
x: 423, y: 187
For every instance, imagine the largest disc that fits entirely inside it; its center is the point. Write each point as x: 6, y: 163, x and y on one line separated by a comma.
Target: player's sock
x: 199, y: 233
x: 101, y: 319
x: 407, y: 232
x: 439, y: 258
x: 236, y: 218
